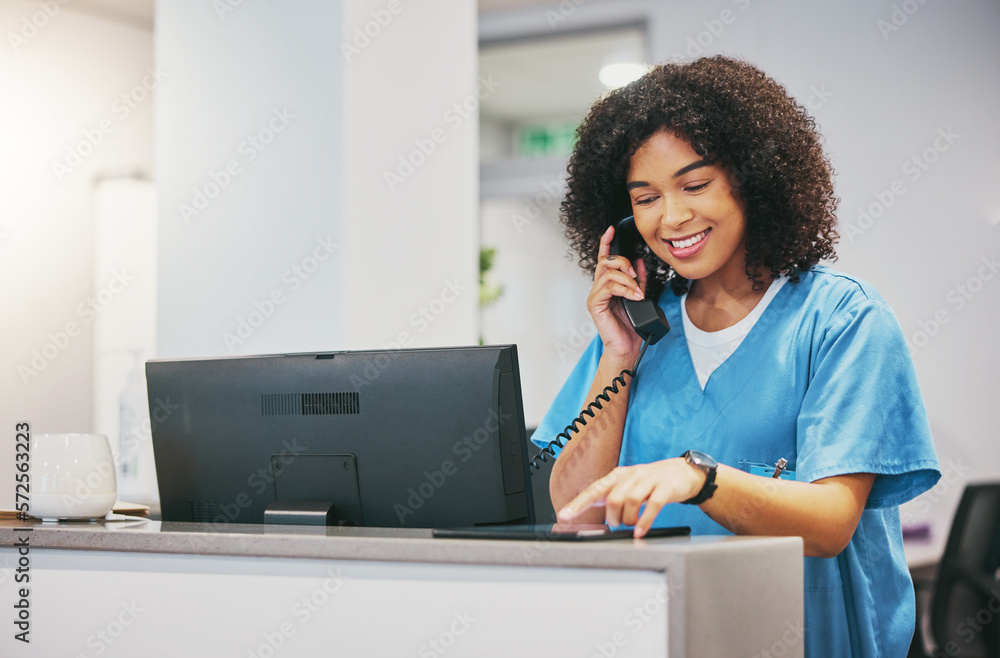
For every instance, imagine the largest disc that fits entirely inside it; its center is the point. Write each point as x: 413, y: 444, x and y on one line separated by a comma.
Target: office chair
x: 965, y: 604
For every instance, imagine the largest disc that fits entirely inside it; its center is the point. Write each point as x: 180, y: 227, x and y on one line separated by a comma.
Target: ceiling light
x: 618, y: 75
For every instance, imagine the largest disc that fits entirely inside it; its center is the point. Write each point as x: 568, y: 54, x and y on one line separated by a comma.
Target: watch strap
x: 706, y: 465
x: 707, y: 489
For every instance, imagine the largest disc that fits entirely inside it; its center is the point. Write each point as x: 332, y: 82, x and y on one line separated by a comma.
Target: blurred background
x: 184, y: 178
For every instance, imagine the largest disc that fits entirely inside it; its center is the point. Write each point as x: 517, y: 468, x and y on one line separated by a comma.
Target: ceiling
x: 487, y: 6
x: 141, y: 12
x: 553, y: 78
x: 138, y: 13
x: 540, y: 79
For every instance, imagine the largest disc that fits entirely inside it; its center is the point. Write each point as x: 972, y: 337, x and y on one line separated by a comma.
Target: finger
x: 605, y: 256
x: 618, y: 499
x: 585, y: 500
x: 636, y: 497
x: 604, y: 249
x: 622, y: 263
x: 654, y: 504
x: 592, y: 496
x: 615, y: 264
x: 618, y: 283
x: 640, y: 266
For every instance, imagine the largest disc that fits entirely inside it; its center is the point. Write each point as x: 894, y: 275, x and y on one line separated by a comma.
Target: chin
x: 691, y: 273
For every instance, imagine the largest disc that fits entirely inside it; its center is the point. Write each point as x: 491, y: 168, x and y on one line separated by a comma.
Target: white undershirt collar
x: 710, y: 349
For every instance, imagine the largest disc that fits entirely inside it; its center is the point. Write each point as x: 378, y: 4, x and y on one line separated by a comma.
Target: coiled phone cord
x: 589, y: 411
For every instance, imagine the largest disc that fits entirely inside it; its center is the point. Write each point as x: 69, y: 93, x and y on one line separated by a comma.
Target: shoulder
x: 825, y: 282
x: 835, y: 295
x: 831, y: 307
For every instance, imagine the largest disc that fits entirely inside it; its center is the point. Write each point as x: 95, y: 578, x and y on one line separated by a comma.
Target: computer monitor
x: 393, y: 438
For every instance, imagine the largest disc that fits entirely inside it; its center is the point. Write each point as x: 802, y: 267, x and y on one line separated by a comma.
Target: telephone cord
x: 564, y: 437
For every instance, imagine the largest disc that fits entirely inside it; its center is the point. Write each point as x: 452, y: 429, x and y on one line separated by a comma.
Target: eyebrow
x: 680, y: 172
x: 691, y: 167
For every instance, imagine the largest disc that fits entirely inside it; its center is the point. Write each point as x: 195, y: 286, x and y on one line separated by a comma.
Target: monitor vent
x: 310, y: 404
x: 281, y: 404
x: 330, y: 404
x: 204, y: 512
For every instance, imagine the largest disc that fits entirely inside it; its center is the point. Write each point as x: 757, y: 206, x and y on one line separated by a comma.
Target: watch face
x: 701, y: 460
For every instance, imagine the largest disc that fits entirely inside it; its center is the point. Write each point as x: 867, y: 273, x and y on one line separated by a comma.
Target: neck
x: 728, y: 285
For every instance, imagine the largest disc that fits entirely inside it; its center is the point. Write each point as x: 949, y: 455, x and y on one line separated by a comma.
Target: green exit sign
x: 546, y: 140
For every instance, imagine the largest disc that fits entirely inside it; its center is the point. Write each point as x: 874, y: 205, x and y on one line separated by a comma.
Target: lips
x: 689, y: 245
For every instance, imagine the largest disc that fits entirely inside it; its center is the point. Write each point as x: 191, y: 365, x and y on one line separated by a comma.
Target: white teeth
x: 681, y: 244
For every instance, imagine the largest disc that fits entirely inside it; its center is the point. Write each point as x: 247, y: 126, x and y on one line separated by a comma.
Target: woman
x: 771, y: 356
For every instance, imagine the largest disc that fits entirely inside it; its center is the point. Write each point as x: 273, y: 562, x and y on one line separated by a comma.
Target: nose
x: 676, y: 213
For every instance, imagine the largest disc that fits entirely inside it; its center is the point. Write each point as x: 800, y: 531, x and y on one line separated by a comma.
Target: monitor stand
x: 314, y: 490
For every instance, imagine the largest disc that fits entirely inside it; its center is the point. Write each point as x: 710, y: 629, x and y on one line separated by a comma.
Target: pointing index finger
x: 592, y: 496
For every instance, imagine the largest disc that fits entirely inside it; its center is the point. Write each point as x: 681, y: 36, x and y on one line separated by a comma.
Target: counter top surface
x: 138, y: 535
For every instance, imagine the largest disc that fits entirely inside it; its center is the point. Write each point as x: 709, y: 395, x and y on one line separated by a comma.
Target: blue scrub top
x: 825, y: 380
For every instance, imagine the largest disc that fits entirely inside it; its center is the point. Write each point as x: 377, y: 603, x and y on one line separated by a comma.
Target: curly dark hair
x: 730, y: 112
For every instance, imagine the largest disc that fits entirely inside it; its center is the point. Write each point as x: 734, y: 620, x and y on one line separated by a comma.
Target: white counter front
x: 145, y: 588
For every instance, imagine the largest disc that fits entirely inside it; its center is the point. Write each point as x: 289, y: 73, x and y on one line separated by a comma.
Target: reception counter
x: 131, y: 587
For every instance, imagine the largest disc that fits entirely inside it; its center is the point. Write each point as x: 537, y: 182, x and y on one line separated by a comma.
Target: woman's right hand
x: 616, y: 277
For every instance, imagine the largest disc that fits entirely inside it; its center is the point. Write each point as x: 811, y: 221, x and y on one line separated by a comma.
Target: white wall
x: 391, y: 258
x: 411, y: 244
x: 60, y: 84
x: 249, y: 169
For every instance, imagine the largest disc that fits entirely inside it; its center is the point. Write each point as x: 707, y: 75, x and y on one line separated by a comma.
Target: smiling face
x: 687, y: 210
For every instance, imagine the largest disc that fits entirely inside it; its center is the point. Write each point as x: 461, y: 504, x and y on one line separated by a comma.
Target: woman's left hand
x: 624, y: 491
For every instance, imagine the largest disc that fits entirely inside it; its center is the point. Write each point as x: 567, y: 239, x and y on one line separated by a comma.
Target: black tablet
x: 557, y: 532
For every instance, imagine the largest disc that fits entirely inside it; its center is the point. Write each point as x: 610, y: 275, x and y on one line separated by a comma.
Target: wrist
x: 614, y: 361
x: 707, y: 466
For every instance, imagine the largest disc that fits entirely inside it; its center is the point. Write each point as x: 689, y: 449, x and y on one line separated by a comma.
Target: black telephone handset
x: 646, y: 316
x: 647, y: 319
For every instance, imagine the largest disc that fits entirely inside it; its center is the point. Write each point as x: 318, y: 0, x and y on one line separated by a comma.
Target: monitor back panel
x: 423, y: 437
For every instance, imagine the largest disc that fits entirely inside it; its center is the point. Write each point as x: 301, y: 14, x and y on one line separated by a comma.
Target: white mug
x: 72, y: 476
